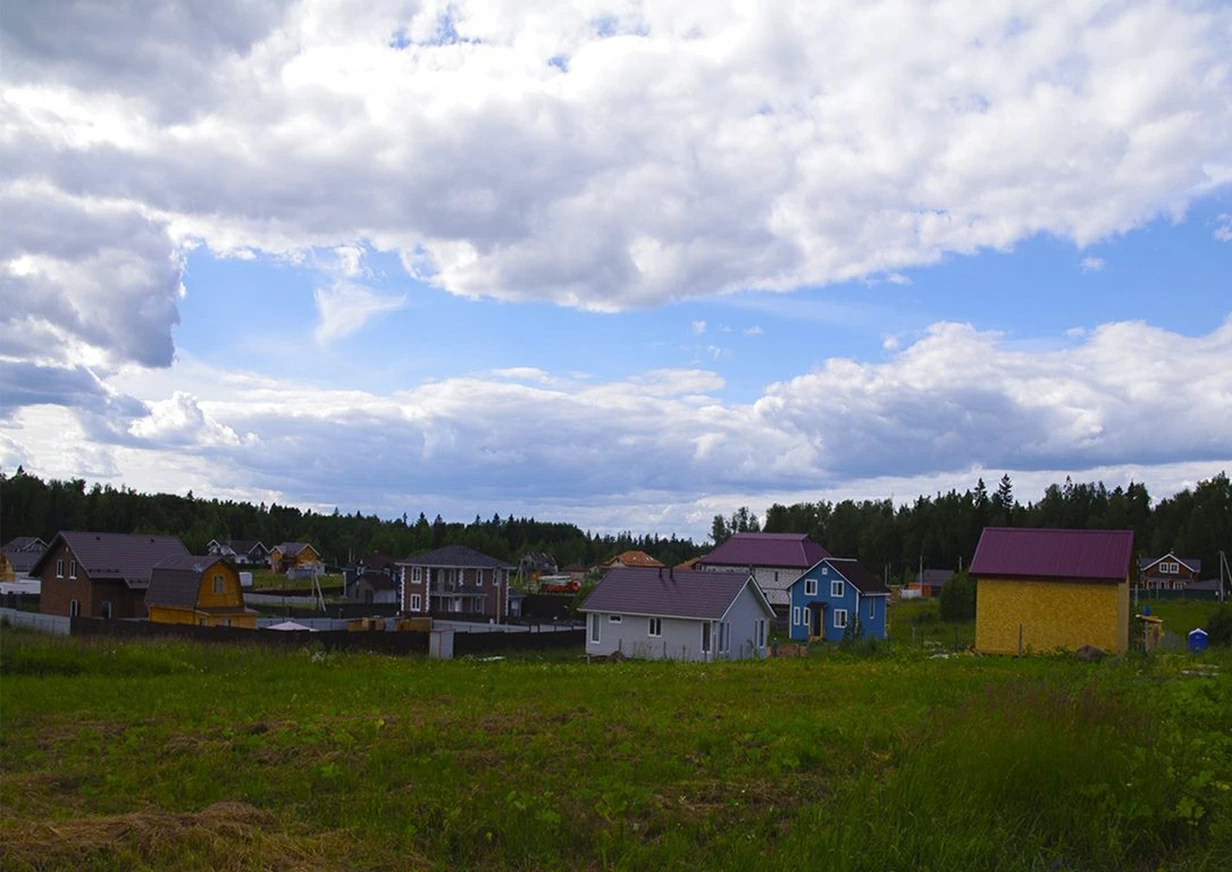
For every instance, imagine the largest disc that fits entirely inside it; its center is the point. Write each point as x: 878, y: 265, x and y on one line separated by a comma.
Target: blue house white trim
x: 832, y: 597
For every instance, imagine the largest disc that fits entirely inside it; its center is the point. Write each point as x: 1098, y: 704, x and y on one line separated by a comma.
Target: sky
x: 618, y: 263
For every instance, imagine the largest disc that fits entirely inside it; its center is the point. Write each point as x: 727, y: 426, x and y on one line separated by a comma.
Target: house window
x: 1170, y: 568
x: 810, y: 587
x: 615, y: 619
x: 106, y: 610
x: 655, y: 627
x: 776, y: 575
x: 724, y: 637
x: 479, y: 577
x: 795, y: 615
x: 761, y: 634
x: 72, y: 569
x: 226, y: 622
x: 872, y: 608
x: 74, y: 608
x: 836, y: 589
x: 415, y: 574
x: 594, y: 629
x: 840, y: 619
x: 825, y: 570
x: 220, y: 586
x: 415, y: 602
x: 705, y: 637
x: 60, y: 568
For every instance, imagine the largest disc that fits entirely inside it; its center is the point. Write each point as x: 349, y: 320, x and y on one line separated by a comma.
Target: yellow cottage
x: 204, y: 591
x: 1042, y: 590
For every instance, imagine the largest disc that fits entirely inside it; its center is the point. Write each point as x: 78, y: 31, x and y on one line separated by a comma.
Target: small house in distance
x: 631, y: 560
x: 664, y: 614
x: 835, y: 597
x: 18, y: 557
x: 930, y: 581
x: 100, y: 575
x: 245, y: 552
x: 456, y: 580
x: 1169, y: 572
x: 1044, y: 590
x: 204, y: 591
x: 296, y: 560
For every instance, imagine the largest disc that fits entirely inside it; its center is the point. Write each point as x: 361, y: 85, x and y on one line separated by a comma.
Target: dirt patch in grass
x: 224, y: 836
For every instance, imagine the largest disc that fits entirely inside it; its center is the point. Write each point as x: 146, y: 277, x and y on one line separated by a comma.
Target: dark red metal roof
x: 116, y: 555
x: 1028, y: 552
x: 677, y: 593
x: 791, y: 550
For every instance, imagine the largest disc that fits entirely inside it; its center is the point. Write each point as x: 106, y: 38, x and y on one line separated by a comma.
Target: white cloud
x: 664, y: 445
x: 753, y: 331
x: 699, y: 327
x: 344, y: 308
x: 1223, y: 228
x: 898, y: 279
x: 810, y: 143
x: 890, y: 342
x: 1092, y: 264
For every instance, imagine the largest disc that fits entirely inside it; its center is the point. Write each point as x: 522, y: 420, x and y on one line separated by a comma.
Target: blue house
x: 833, y: 595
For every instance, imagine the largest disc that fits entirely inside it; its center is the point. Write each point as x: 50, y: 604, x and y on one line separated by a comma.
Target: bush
x: 957, y: 598
x: 1219, y: 628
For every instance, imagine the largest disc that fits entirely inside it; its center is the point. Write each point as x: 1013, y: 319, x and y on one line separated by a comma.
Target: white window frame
x: 825, y: 570
x: 416, y: 602
x: 837, y: 589
x: 810, y: 587
x: 59, y: 567
x: 872, y: 607
x: 72, y: 569
x: 615, y: 619
x: 654, y: 627
x: 795, y: 615
x: 840, y: 619
x: 707, y: 637
x: 595, y: 624
x: 760, y: 633
x: 220, y: 585
x: 478, y: 578
x: 74, y: 608
x: 415, y: 575
x: 724, y: 637
x: 1171, y: 568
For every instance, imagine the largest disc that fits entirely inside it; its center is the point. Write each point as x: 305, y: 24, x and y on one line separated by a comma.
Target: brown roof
x: 854, y: 571
x: 633, y: 559
x: 176, y: 581
x: 290, y: 549
x: 688, y: 564
x: 116, y: 555
x: 1028, y: 552
x: 700, y: 594
x: 456, y: 555
x: 23, y: 552
x: 25, y: 543
x: 377, y: 581
x: 377, y: 560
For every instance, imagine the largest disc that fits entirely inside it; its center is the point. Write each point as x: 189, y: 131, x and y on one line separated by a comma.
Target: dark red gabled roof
x: 1029, y: 552
x: 789, y: 550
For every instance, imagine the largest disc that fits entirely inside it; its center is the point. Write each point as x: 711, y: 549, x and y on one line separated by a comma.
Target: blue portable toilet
x: 1197, y: 641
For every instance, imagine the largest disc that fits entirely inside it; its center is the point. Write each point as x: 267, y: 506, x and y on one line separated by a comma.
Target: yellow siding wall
x: 168, y: 615
x: 6, y: 569
x: 1053, y: 614
x: 232, y: 594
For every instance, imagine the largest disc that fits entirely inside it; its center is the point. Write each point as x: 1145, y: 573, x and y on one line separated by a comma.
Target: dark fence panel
x: 547, y: 607
x: 488, y: 643
x: 1146, y: 596
x: 23, y: 602
x: 382, y: 642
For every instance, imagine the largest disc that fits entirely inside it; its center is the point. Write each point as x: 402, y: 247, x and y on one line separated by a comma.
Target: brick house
x: 455, y: 580
x: 100, y: 575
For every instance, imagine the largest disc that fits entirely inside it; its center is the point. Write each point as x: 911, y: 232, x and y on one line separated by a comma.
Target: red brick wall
x: 57, y: 594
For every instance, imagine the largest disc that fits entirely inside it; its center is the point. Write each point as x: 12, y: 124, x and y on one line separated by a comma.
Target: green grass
x: 144, y: 755
x: 918, y: 622
x: 1179, y: 616
x: 267, y: 578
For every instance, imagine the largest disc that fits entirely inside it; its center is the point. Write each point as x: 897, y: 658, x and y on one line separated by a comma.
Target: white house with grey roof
x: 673, y: 614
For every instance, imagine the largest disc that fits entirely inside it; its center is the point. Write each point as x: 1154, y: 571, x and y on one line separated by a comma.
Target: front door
x: 814, y: 622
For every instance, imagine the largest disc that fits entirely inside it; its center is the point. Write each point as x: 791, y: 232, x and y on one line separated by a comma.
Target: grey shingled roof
x: 116, y: 555
x: 699, y: 594
x: 455, y: 556
x: 854, y: 571
x: 377, y: 581
x: 176, y: 581
x: 290, y: 549
x: 1192, y: 562
x: 25, y: 543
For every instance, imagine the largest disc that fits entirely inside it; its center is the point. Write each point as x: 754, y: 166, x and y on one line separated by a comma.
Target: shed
x: 1045, y: 589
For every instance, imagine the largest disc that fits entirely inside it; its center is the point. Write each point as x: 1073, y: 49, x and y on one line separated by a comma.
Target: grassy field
x: 267, y: 578
x: 140, y: 755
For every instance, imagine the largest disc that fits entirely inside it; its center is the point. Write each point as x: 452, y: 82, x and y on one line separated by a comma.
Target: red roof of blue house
x: 1028, y: 552
x: 791, y: 550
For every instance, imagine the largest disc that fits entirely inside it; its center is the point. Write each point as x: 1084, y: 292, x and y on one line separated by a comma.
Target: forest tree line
x: 937, y: 532
x: 941, y: 532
